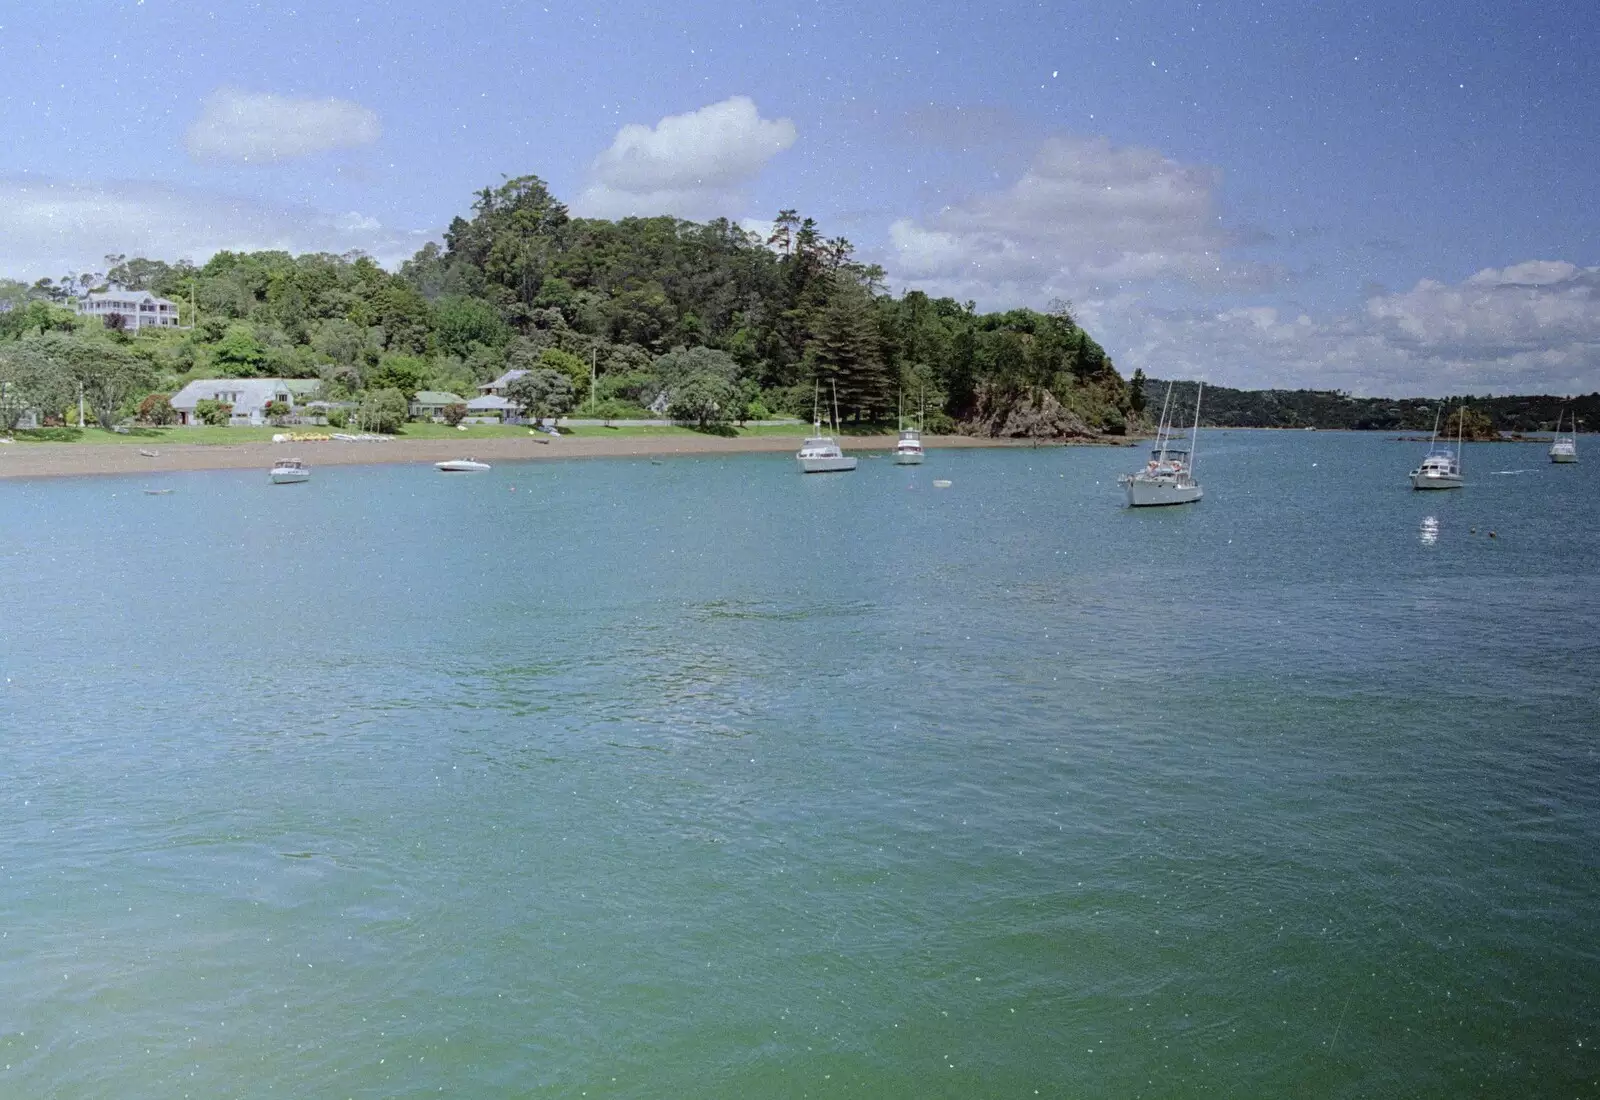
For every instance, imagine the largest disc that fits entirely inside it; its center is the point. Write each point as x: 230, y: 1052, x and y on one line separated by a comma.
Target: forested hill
x: 658, y: 305
x: 1229, y: 408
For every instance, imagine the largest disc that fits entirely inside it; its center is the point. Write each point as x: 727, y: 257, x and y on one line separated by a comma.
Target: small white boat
x: 821, y: 454
x: 908, y: 451
x: 1565, y: 447
x: 1441, y: 467
x: 288, y: 471
x: 462, y: 466
x: 1168, y: 478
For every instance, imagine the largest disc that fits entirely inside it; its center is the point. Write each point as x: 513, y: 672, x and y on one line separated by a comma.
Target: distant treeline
x: 1230, y: 408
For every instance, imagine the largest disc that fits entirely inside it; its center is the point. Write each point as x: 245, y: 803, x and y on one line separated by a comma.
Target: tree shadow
x: 727, y: 431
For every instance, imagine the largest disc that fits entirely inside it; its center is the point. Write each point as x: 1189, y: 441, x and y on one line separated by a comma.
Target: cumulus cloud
x: 1083, y: 217
x: 259, y: 128
x: 1529, y: 328
x: 48, y: 226
x: 692, y: 165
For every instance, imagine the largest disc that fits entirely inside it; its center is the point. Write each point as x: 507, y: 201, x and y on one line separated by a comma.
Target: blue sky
x: 1387, y: 198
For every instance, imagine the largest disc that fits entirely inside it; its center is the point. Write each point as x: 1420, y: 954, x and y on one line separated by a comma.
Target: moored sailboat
x: 821, y: 454
x: 1440, y: 468
x: 1168, y: 478
x: 1565, y: 448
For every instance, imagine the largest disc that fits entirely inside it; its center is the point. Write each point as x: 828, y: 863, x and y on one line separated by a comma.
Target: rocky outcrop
x: 1027, y: 416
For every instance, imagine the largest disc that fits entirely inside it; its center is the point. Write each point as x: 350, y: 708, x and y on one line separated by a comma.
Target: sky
x: 1387, y: 198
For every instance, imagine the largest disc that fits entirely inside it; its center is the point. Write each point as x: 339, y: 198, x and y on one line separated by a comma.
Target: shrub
x: 383, y: 411
x: 338, y: 418
x: 454, y: 413
x: 157, y: 409
x: 277, y: 411
x: 213, y: 412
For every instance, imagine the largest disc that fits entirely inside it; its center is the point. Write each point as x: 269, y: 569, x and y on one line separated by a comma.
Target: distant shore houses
x: 137, y: 308
x: 248, y: 396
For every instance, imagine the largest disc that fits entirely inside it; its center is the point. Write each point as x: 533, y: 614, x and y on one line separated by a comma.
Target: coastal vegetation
x: 708, y: 323
x: 1486, y: 417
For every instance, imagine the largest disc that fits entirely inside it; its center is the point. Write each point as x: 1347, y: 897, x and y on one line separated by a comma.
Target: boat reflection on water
x: 1430, y: 531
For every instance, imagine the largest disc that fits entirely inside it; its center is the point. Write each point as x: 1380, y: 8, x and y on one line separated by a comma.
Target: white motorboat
x: 288, y: 471
x: 462, y: 466
x: 821, y: 454
x: 1168, y: 478
x: 1565, y: 447
x: 1441, y: 467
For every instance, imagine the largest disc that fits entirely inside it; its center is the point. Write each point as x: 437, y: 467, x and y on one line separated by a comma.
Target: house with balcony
x: 137, y: 308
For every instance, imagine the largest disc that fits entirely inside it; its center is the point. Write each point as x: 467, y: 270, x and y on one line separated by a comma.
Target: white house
x: 248, y: 396
x: 430, y: 404
x: 138, y: 308
x: 491, y: 403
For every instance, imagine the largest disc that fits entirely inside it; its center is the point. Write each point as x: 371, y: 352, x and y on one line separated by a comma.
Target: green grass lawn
x: 223, y: 435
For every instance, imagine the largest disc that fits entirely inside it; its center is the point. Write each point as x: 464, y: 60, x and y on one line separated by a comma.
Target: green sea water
x: 709, y: 779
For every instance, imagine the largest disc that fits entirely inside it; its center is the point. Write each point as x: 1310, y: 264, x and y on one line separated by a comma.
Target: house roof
x: 489, y: 401
x: 504, y: 380
x: 135, y: 296
x: 253, y: 392
x: 436, y: 397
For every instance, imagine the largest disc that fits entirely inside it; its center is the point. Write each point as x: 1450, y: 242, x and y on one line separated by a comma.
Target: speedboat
x: 1441, y: 467
x: 287, y: 471
x: 908, y: 451
x: 1565, y: 447
x: 1168, y: 478
x: 462, y: 466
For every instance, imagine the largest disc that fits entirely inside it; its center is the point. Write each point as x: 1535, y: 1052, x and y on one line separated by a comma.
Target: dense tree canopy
x: 646, y: 305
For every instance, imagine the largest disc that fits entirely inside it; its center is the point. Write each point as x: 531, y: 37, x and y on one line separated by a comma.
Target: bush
x: 157, y: 409
x: 338, y: 418
x: 703, y: 399
x: 383, y: 411
x: 213, y: 412
x: 277, y: 411
x: 454, y: 413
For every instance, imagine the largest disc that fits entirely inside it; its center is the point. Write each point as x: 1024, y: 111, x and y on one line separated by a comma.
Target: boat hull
x: 1158, y: 494
x: 1438, y: 481
x: 459, y: 467
x: 908, y: 458
x: 839, y: 465
x: 1563, y: 456
x: 289, y: 477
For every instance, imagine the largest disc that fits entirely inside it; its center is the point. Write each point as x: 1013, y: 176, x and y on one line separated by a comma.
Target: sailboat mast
x: 1194, y: 435
x: 1161, y: 428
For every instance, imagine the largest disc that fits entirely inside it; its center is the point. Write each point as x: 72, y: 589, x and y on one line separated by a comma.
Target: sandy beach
x: 88, y: 459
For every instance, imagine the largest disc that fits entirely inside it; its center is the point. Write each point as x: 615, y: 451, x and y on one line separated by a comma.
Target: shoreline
x: 46, y: 460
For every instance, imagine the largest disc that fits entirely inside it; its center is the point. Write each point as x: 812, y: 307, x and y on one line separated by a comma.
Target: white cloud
x: 692, y: 165
x: 48, y: 226
x: 1530, y: 328
x: 1083, y: 217
x: 254, y: 128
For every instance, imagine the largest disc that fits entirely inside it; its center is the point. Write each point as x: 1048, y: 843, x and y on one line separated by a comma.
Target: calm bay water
x: 709, y: 779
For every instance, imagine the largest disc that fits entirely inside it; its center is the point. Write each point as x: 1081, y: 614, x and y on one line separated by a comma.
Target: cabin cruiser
x: 287, y: 471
